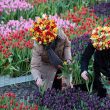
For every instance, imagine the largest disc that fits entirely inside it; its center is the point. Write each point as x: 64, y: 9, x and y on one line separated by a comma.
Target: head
x: 101, y: 38
x: 44, y: 31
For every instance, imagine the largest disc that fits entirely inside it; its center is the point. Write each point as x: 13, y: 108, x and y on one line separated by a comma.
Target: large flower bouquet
x: 101, y: 37
x: 44, y: 30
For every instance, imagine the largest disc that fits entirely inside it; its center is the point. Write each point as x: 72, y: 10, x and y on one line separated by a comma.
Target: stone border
x: 6, y: 80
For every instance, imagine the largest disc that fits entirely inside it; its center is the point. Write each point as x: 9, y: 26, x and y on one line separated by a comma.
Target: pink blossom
x: 15, y: 25
x: 13, y: 5
x: 62, y: 23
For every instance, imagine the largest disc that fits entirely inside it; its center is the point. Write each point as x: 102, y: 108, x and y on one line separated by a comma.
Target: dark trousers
x: 97, y: 85
x: 57, y: 83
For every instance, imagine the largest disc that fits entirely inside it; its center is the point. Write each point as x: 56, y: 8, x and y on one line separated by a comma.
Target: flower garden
x: 77, y: 19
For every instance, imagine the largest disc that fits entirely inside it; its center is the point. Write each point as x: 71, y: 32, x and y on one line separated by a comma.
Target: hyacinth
x: 101, y: 37
x: 13, y: 5
x: 44, y: 30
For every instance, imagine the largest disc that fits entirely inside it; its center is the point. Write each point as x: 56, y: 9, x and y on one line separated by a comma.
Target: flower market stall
x: 80, y: 21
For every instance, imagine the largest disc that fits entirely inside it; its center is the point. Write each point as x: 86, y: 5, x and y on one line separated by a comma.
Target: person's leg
x: 57, y: 83
x: 97, y: 85
x: 108, y: 83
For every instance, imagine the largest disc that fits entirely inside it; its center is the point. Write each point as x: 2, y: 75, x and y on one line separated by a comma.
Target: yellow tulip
x: 55, y: 30
x: 50, y: 40
x: 95, y: 44
x: 99, y: 28
x: 39, y: 20
x: 105, y: 28
x: 45, y: 40
x: 65, y: 63
x: 33, y: 38
x: 94, y: 36
x: 31, y: 30
x: 44, y: 33
x: 94, y: 31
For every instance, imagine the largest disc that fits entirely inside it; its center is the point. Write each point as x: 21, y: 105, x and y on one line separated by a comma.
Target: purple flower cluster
x: 78, y: 44
x: 102, y: 9
x: 71, y: 99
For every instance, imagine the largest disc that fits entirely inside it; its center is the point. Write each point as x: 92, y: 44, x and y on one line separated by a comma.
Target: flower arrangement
x: 101, y: 37
x: 44, y: 30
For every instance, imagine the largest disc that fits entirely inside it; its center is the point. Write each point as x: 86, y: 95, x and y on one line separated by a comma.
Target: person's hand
x: 84, y: 75
x: 59, y: 66
x: 69, y: 62
x: 39, y: 82
x: 64, y: 83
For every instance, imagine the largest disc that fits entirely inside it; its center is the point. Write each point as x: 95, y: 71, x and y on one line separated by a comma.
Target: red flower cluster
x: 17, y: 39
x: 8, y: 101
x: 107, y: 21
x: 37, y: 2
x: 85, y: 20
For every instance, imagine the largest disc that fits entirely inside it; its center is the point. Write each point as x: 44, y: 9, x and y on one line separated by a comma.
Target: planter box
x: 6, y: 80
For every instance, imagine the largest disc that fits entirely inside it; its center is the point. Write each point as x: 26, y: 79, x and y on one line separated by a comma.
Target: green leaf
x: 13, y: 68
x: 10, y: 59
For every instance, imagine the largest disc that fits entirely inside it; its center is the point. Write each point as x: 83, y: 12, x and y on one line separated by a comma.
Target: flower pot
x: 7, y: 80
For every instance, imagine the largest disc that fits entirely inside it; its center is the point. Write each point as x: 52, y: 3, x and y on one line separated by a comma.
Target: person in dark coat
x: 101, y: 64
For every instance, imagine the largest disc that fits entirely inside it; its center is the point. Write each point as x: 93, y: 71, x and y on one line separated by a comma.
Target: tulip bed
x: 77, y: 19
x: 70, y: 99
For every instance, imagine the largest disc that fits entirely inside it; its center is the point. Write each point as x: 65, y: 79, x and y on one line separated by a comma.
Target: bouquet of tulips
x: 44, y: 30
x: 101, y: 37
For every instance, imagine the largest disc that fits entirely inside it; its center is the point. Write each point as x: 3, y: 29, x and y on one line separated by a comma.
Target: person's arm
x: 67, y: 50
x: 67, y: 47
x: 86, y: 57
x: 35, y: 64
x: 68, y: 58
